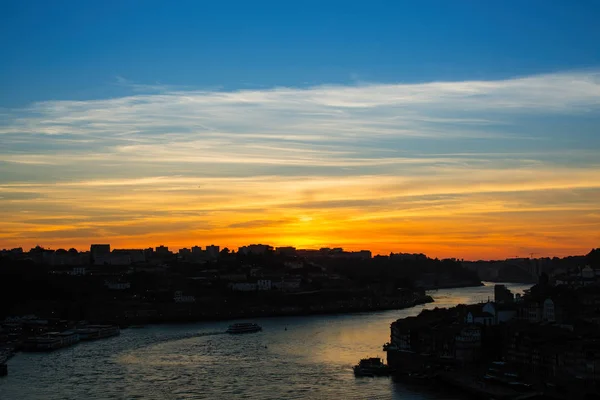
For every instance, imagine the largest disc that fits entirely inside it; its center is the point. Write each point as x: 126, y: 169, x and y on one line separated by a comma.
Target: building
x: 548, y: 311
x: 135, y: 255
x: 468, y: 344
x: 115, y: 259
x: 407, y: 256
x: 542, y: 350
x: 78, y: 271
x: 363, y: 254
x: 286, y: 251
x: 264, y: 284
x: 530, y: 311
x: 478, y: 317
x: 257, y: 249
x: 505, y: 313
x: 180, y: 298
x: 287, y: 285
x: 243, y: 286
x: 162, y: 251
x: 339, y: 252
x: 185, y: 252
x: 117, y: 285
x: 233, y: 277
x: 584, y: 277
x: 293, y: 265
x: 149, y: 253
x: 213, y: 251
x: 98, y: 250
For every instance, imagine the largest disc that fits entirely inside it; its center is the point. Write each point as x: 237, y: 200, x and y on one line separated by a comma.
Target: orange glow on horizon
x: 465, y: 169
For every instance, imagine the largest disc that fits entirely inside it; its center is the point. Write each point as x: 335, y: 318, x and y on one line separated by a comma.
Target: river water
x: 312, y: 359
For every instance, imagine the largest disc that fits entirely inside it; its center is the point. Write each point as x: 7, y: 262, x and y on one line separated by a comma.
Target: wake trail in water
x: 132, y: 356
x: 187, y: 336
x: 151, y: 339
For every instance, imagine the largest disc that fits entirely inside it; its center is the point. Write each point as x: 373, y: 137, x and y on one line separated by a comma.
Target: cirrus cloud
x: 312, y: 166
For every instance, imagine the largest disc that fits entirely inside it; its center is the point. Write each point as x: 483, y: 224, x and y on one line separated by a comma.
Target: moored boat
x: 51, y: 341
x: 244, y: 327
x: 371, y: 367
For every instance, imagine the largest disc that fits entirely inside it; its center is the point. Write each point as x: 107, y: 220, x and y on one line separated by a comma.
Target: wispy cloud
x: 144, y: 87
x: 327, y: 164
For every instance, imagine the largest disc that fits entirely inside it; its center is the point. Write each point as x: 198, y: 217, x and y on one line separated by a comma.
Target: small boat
x: 371, y: 367
x: 244, y: 327
x: 3, y: 369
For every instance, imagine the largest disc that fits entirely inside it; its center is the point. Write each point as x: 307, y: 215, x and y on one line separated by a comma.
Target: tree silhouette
x: 593, y: 258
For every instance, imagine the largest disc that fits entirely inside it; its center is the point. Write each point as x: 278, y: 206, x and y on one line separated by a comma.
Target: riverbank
x: 453, y: 285
x: 471, y: 384
x: 442, y: 346
x: 172, y: 316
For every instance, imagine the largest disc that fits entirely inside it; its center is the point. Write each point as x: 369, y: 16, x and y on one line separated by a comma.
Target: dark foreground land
x: 543, y: 345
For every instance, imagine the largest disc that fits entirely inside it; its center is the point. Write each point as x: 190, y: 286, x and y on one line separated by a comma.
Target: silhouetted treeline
x: 593, y: 258
x: 324, y: 284
x: 405, y: 272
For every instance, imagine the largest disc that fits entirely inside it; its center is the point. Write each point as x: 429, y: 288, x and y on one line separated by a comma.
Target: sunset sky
x: 457, y: 129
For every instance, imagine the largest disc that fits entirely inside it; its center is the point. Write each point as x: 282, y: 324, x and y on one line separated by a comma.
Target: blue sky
x: 75, y: 49
x: 456, y: 128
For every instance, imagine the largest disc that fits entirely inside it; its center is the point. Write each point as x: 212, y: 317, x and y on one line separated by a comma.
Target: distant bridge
x: 528, y: 265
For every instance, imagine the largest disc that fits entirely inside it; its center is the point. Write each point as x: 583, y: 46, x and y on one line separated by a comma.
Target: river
x: 308, y: 357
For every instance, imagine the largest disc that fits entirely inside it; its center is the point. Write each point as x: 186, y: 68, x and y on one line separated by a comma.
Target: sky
x: 463, y: 129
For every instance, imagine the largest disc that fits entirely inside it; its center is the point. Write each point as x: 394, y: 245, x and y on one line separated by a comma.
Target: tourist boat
x: 244, y: 327
x: 371, y: 367
x: 51, y: 341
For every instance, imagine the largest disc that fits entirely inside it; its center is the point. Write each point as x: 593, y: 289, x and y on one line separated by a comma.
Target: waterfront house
x: 243, y: 286
x: 117, y: 285
x: 468, y: 344
x: 480, y: 317
x: 179, y: 297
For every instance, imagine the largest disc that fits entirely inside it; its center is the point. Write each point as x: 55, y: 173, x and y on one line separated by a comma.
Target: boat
x: 51, y: 341
x: 3, y: 369
x: 244, y: 327
x: 371, y: 367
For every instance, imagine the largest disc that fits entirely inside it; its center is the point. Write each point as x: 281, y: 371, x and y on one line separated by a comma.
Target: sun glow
x: 359, y: 167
